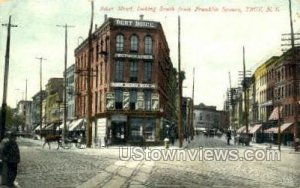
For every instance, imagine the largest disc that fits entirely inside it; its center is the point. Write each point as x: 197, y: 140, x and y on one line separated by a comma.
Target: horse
x: 52, y: 138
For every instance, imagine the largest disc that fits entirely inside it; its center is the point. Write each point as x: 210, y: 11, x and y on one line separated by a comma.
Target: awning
x: 241, y: 129
x: 61, y: 126
x: 39, y: 127
x: 283, y: 128
x: 50, y: 127
x: 255, y: 128
x: 274, y: 115
x: 76, y: 125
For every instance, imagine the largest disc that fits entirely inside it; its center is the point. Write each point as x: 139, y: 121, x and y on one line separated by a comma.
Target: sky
x: 213, y: 33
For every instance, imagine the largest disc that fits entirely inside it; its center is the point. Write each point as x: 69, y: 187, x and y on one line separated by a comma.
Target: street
x: 104, y: 168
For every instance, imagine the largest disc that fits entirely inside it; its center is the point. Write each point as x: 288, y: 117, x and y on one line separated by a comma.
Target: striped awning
x: 241, y: 129
x: 283, y: 128
x: 274, y: 115
x: 255, y: 128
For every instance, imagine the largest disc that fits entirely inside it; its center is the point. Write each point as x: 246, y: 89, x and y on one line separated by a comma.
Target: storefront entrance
x: 118, y: 132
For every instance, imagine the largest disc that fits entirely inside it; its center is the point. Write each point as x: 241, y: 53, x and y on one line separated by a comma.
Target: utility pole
x: 89, y: 88
x: 180, y: 136
x: 192, y: 119
x: 246, y: 98
x: 65, y: 79
x: 231, y: 102
x: 41, y: 96
x: 6, y: 69
x: 295, y: 80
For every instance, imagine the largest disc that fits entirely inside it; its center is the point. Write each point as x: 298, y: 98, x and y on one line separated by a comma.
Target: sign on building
x: 140, y: 103
x: 126, y: 100
x: 110, y: 101
x: 155, y: 101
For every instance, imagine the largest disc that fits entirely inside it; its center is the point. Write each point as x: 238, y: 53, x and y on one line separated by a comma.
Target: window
x: 147, y: 100
x: 120, y: 43
x: 118, y: 99
x: 134, y: 43
x: 148, y: 45
x: 133, y: 71
x: 133, y: 98
x: 147, y: 71
x: 119, y: 71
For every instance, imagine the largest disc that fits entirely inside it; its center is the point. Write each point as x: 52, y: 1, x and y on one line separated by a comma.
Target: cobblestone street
x: 103, y: 168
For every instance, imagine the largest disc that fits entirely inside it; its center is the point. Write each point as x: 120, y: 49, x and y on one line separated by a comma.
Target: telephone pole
x: 41, y: 96
x: 246, y: 96
x: 65, y: 78
x: 180, y: 135
x: 295, y: 80
x: 6, y: 69
x: 89, y: 88
x: 192, y: 119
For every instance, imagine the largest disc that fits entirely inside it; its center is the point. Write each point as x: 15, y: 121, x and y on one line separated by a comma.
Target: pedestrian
x: 11, y: 158
x: 106, y: 142
x: 228, y: 137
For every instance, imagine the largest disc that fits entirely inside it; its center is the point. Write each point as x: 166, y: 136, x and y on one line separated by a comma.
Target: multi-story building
x: 36, y: 108
x: 53, y: 108
x: 208, y: 117
x: 24, y: 109
x: 130, y: 65
x: 71, y: 92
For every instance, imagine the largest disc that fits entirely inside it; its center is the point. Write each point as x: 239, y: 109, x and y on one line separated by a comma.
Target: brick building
x: 130, y: 72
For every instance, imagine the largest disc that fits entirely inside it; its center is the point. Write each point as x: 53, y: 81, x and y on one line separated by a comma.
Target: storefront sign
x: 135, y: 23
x: 119, y: 118
x: 132, y: 85
x: 134, y: 56
x: 110, y: 101
x: 126, y: 100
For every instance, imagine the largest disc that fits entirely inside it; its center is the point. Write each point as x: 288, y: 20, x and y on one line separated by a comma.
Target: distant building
x: 24, y: 109
x: 71, y: 92
x: 208, y: 117
x: 54, y: 100
x: 36, y: 108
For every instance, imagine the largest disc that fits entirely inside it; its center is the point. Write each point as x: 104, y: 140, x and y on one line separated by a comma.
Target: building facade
x: 130, y: 65
x: 208, y: 117
x: 54, y: 101
x: 71, y: 92
x: 24, y: 108
x: 36, y: 108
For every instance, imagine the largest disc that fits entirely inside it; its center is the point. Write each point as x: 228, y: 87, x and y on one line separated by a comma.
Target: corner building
x: 130, y: 70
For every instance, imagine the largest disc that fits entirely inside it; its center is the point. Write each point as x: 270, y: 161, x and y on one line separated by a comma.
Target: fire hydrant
x: 166, y: 140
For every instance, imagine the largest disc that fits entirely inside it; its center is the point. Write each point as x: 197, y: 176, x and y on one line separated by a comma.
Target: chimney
x: 141, y: 17
x: 105, y: 17
x: 96, y: 27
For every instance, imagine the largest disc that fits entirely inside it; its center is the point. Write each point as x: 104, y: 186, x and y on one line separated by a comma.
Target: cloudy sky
x: 213, y: 33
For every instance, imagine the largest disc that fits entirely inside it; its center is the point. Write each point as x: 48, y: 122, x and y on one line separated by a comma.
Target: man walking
x: 11, y: 158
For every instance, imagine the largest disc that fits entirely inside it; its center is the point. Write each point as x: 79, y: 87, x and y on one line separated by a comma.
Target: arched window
x: 134, y: 43
x: 120, y: 43
x: 148, y: 45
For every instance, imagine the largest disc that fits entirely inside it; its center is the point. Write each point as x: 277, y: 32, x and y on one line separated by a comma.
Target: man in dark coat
x: 11, y: 158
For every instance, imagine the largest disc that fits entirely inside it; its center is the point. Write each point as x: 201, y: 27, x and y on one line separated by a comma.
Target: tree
x: 14, y: 120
